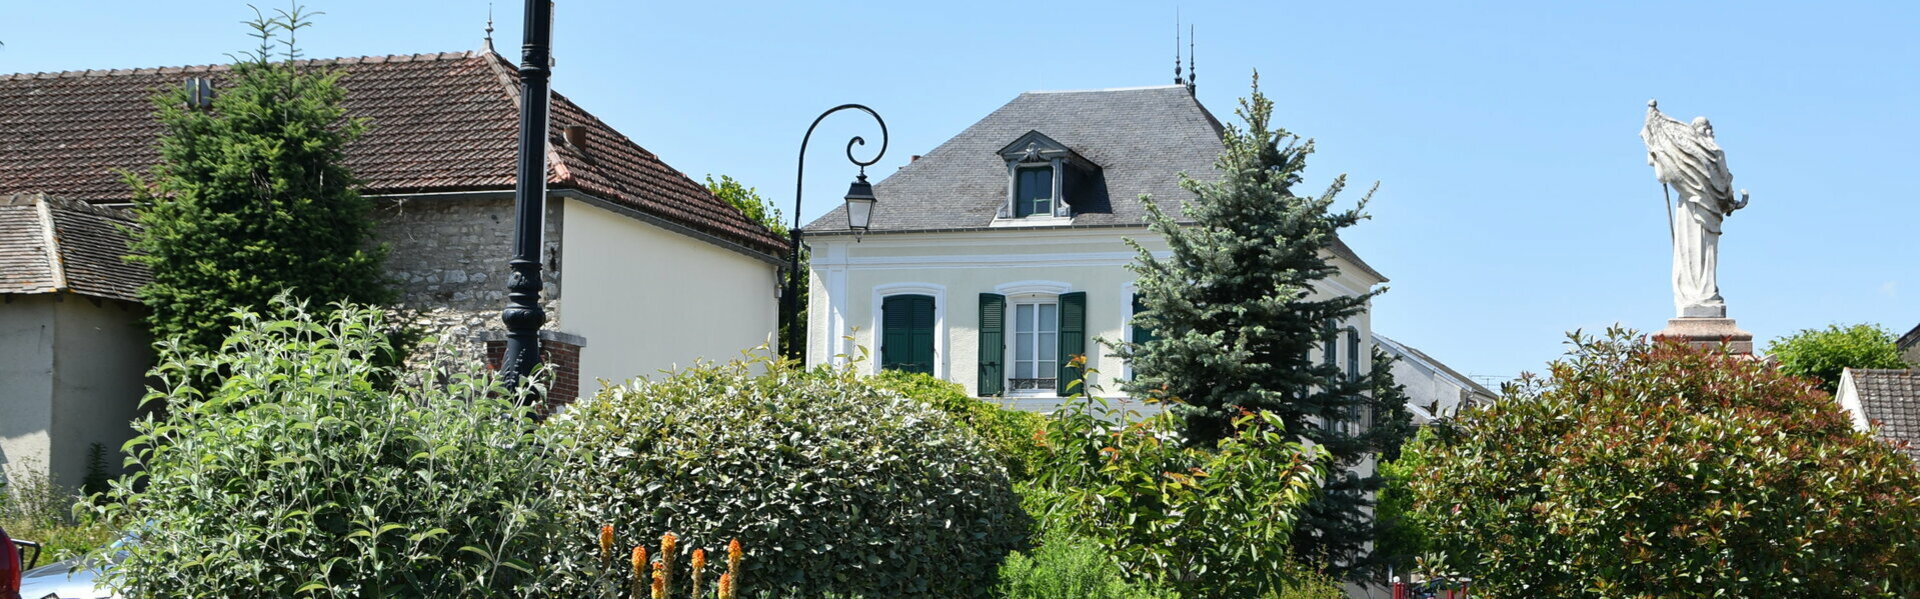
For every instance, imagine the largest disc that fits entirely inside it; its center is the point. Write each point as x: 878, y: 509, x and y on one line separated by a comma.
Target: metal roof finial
x: 1177, y: 79
x: 1193, y: 72
x: 489, y: 39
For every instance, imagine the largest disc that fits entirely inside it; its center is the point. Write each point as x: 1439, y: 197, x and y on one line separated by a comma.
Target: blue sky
x: 1514, y: 204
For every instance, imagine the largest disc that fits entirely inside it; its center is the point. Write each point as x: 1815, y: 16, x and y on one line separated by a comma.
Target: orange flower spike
x: 733, y: 558
x: 639, y: 561
x: 606, y: 542
x: 669, y: 549
x: 699, y: 570
x: 659, y: 581
x: 726, y: 586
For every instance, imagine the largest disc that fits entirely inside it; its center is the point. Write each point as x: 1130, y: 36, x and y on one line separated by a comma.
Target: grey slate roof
x: 1142, y: 138
x: 85, y: 254
x: 1891, y: 398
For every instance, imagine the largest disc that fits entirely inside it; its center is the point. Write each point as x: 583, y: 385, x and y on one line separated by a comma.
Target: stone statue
x: 1686, y: 159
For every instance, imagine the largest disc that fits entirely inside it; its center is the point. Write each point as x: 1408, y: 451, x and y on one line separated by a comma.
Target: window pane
x: 1049, y: 317
x: 1049, y: 345
x: 1023, y: 317
x: 1022, y: 370
x: 1033, y: 191
x: 1023, y: 346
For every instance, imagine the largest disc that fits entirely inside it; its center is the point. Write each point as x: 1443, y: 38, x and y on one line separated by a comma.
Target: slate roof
x: 1142, y: 138
x: 439, y: 123
x: 1891, y: 398
x: 54, y: 246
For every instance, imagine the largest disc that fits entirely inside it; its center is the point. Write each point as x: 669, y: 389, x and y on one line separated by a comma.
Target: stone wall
x: 447, y: 257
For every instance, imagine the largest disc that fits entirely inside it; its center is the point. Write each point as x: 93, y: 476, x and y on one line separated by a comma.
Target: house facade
x: 996, y: 257
x: 645, y: 269
x: 1884, y: 402
x: 1434, y: 390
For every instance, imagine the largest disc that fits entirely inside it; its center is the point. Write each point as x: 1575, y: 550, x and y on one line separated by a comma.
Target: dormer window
x: 1033, y: 191
x: 1039, y: 174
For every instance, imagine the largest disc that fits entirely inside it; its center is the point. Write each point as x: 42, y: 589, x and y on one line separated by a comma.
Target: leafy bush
x: 1069, y: 568
x: 1207, y: 521
x: 1661, y: 471
x: 833, y: 483
x: 1403, y: 534
x: 296, y: 475
x: 34, y: 508
x: 1822, y: 354
x: 1009, y: 432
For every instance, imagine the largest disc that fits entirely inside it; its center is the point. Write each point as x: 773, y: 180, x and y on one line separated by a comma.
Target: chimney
x: 576, y: 136
x: 915, y: 158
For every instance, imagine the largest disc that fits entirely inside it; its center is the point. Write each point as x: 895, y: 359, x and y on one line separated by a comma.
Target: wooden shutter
x: 1073, y: 339
x: 906, y: 335
x: 993, y: 344
x: 1141, y: 334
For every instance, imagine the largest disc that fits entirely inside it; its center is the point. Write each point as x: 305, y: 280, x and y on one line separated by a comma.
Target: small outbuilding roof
x: 54, y: 246
x: 1888, y: 399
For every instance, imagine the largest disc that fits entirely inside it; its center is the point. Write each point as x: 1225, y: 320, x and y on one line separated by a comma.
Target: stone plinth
x: 1707, y: 333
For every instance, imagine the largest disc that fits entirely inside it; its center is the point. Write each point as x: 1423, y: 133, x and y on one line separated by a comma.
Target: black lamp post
x: 860, y: 203
x: 523, y: 315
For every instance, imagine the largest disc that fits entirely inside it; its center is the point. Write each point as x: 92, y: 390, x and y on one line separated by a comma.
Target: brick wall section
x: 561, y: 358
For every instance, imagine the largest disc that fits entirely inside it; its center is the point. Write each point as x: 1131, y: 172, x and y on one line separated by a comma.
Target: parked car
x: 65, y: 579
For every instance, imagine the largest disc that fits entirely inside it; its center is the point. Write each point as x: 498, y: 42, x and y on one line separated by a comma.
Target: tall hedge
x: 831, y: 483
x: 1642, y: 470
x: 252, y: 197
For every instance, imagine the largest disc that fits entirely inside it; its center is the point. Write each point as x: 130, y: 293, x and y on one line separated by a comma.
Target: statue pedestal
x: 1707, y: 333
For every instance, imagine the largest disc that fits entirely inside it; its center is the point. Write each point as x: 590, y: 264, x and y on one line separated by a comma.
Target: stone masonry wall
x: 447, y: 257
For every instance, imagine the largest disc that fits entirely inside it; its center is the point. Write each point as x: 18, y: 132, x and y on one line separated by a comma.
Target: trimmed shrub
x: 297, y: 475
x: 1643, y: 470
x: 1208, y: 521
x: 1069, y: 568
x: 1009, y: 432
x: 1822, y: 354
x: 833, y: 484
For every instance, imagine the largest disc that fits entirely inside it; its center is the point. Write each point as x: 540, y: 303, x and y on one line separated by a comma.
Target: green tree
x: 252, y: 198
x: 1822, y: 354
x: 1643, y: 470
x: 1236, y: 320
x: 759, y: 209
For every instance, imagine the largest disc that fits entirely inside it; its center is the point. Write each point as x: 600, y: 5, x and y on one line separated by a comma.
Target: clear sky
x: 1514, y: 204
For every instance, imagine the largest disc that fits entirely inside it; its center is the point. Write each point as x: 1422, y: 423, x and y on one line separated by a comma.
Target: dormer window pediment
x: 1038, y: 171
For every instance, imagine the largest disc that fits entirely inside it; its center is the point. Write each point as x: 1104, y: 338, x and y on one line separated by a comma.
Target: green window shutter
x: 1073, y: 339
x: 993, y: 344
x: 906, y: 335
x: 1141, y: 334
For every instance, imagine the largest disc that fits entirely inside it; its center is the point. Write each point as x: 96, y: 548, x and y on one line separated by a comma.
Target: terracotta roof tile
x: 439, y: 122
x: 87, y: 241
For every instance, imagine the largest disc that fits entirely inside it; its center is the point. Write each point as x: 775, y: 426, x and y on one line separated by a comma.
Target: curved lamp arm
x: 790, y: 300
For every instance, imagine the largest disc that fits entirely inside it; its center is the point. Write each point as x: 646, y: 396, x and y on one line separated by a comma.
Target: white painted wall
x: 71, y: 375
x: 848, y: 278
x: 647, y: 299
x: 26, y: 383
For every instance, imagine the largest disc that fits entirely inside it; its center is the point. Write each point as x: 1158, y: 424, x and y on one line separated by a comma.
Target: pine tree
x: 1236, y: 323
x: 251, y: 197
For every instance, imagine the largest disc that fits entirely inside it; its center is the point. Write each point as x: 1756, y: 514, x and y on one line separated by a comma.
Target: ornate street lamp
x: 860, y: 203
x: 523, y: 315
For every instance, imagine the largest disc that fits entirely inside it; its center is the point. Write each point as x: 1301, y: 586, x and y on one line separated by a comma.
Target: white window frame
x: 1029, y: 292
x: 939, y: 294
x: 1013, y: 350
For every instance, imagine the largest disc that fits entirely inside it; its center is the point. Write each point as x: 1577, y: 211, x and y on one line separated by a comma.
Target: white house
x: 999, y: 254
x: 1434, y: 391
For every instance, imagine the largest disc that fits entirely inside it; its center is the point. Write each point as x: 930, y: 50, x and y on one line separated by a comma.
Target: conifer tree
x: 252, y: 197
x: 1236, y: 324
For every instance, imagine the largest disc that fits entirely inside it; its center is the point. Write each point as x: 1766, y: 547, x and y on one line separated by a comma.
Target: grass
x: 35, y: 509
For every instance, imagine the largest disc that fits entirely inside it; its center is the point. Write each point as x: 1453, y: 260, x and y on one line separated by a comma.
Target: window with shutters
x: 1357, y: 413
x: 1035, y: 346
x: 907, y: 333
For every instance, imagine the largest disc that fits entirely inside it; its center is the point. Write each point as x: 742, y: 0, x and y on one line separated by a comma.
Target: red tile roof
x: 440, y: 122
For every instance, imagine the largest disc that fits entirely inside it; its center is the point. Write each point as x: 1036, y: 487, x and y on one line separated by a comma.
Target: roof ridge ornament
x: 1177, y: 78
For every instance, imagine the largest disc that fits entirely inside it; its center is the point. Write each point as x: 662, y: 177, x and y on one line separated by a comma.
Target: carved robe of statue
x: 1687, y: 159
